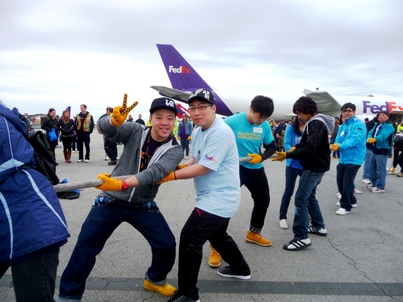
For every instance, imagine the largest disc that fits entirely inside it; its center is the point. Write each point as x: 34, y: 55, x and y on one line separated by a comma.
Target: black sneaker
x: 112, y: 163
x: 181, y: 298
x: 227, y: 272
x: 295, y: 244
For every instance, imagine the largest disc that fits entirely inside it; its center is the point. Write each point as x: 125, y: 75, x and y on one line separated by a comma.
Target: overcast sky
x: 57, y: 53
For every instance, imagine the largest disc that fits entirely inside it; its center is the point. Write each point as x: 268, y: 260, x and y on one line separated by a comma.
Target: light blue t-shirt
x: 249, y: 138
x: 218, y: 191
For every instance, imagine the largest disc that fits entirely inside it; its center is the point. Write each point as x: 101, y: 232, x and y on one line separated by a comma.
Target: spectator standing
x: 313, y: 152
x: 336, y: 154
x: 32, y: 223
x: 140, y: 120
x: 84, y: 127
x: 130, y: 119
x: 367, y: 163
x: 399, y: 128
x: 110, y: 147
x: 280, y: 127
x: 381, y: 136
x: 66, y: 126
x: 350, y: 141
x: 184, y: 132
x: 49, y: 123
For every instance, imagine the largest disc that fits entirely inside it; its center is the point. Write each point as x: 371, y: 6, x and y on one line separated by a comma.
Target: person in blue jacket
x: 32, y: 223
x: 293, y: 135
x: 350, y: 141
x: 185, y: 129
x: 381, y: 136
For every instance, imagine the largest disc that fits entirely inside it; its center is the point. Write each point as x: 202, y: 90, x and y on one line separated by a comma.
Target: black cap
x: 163, y: 103
x: 384, y: 112
x: 202, y: 94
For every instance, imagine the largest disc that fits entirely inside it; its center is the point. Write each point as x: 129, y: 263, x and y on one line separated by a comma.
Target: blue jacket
x: 188, y: 128
x: 351, y: 138
x: 31, y: 218
x: 384, y: 137
x: 291, y: 139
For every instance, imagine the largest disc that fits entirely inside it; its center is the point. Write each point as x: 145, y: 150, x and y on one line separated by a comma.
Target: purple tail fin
x: 184, y: 77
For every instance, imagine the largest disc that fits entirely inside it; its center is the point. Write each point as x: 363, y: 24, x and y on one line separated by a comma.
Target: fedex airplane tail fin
x: 184, y: 79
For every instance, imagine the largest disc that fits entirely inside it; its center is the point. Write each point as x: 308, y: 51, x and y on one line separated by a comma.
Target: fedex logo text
x: 389, y: 106
x: 180, y: 69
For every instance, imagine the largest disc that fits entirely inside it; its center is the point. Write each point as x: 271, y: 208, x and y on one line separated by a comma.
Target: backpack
x: 43, y: 155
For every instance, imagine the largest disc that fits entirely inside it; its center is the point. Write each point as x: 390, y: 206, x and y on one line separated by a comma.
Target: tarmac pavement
x: 361, y: 259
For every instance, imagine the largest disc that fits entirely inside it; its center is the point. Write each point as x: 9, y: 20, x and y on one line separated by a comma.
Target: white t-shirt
x: 218, y: 191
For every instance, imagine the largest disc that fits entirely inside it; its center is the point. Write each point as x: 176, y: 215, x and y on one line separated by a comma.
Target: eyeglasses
x: 200, y: 107
x: 347, y: 111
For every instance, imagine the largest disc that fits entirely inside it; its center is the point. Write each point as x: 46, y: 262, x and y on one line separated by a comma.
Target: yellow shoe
x: 393, y: 170
x: 215, y: 259
x: 165, y: 290
x: 257, y: 238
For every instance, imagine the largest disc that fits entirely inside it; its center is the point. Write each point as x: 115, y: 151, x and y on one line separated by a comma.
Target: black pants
x: 83, y: 138
x: 110, y: 148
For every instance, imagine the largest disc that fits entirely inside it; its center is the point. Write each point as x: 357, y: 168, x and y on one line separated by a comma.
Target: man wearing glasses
x: 350, y: 141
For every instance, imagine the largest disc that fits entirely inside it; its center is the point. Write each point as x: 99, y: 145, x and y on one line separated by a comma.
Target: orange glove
x: 179, y: 138
x: 111, y: 184
x: 280, y: 156
x: 371, y: 140
x: 181, y: 166
x: 169, y: 177
x: 119, y: 114
x: 292, y: 149
x: 189, y: 138
x: 256, y: 158
x: 335, y: 147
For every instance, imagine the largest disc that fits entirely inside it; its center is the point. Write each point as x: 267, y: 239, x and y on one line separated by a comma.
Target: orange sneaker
x: 215, y: 259
x: 165, y: 290
x: 257, y: 238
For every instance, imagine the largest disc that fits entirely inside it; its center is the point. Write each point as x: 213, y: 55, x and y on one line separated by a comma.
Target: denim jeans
x: 99, y: 226
x: 200, y: 227
x: 256, y: 182
x: 185, y: 145
x: 345, y: 182
x: 83, y: 138
x: 367, y: 165
x: 34, y: 280
x: 378, y: 170
x: 306, y: 203
x: 291, y: 175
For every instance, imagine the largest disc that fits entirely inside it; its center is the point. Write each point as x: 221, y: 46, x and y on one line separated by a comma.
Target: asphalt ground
x: 361, y: 259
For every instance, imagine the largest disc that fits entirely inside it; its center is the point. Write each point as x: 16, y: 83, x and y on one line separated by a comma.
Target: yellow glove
x: 111, y: 184
x: 179, y: 138
x: 181, y: 166
x: 292, y: 149
x: 169, y: 177
x: 256, y: 158
x: 371, y: 140
x: 335, y: 147
x: 119, y: 114
x: 189, y: 138
x: 280, y: 156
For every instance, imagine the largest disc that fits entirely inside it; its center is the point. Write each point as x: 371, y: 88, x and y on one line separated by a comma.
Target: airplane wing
x: 324, y: 101
x: 179, y: 95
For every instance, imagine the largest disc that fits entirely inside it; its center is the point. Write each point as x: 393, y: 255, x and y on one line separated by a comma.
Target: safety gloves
x: 120, y: 113
x: 334, y: 147
x: 256, y: 158
x: 280, y: 156
x: 371, y: 140
x: 169, y: 177
x: 112, y: 184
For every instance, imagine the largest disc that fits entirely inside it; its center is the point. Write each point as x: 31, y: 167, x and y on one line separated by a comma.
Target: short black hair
x: 305, y: 105
x: 262, y: 105
x: 348, y: 105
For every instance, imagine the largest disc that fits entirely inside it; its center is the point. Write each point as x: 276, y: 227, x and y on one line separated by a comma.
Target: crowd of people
x: 307, y: 143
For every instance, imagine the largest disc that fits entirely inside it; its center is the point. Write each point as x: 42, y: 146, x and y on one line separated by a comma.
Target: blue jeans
x: 99, y: 226
x: 367, y: 165
x: 345, y: 182
x: 34, y: 279
x: 378, y: 170
x: 185, y: 145
x: 256, y: 182
x: 291, y: 175
x: 306, y: 202
x: 200, y: 227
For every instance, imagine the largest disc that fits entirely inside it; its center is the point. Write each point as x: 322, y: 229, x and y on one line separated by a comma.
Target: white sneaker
x: 370, y: 186
x: 283, y: 224
x: 342, y: 211
x: 106, y: 158
x: 338, y: 195
x: 356, y: 191
x: 366, y: 181
x: 87, y: 161
x: 80, y: 161
x: 376, y: 190
x: 354, y: 205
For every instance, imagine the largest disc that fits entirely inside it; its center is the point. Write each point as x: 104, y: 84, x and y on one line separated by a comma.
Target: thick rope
x: 99, y: 182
